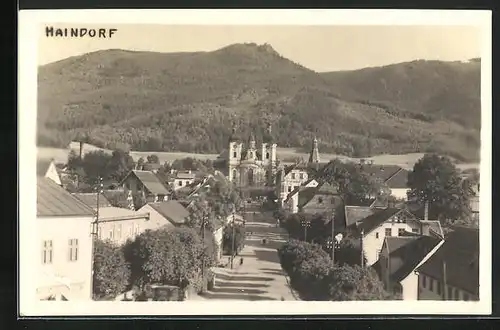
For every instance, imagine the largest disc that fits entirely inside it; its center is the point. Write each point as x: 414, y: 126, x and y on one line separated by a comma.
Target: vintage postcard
x: 254, y: 162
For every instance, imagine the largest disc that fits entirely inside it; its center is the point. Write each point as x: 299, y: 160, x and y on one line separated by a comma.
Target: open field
x: 406, y: 161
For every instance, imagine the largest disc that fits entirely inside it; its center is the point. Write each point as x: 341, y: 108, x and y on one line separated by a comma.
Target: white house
x: 291, y: 203
x: 46, y: 168
x: 399, y: 258
x: 183, y: 179
x: 373, y: 225
x: 64, y: 245
x: 146, y: 183
x: 169, y: 213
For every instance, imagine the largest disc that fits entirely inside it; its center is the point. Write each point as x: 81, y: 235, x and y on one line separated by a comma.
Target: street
x: 260, y: 277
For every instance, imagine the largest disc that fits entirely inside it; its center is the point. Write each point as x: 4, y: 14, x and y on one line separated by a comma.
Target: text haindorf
x: 50, y: 31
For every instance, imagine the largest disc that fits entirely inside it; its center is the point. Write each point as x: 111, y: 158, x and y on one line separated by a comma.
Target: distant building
x: 91, y: 199
x: 63, y: 228
x: 393, y: 176
x: 399, y: 258
x: 452, y: 273
x: 291, y: 203
x: 46, y: 168
x: 168, y: 213
x: 146, y: 183
x: 119, y: 224
x: 320, y: 199
x: 183, y: 179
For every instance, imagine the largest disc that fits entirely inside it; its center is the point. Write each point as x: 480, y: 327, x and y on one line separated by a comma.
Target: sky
x: 320, y: 48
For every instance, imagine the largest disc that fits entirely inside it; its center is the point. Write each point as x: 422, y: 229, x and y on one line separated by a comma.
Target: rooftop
x: 172, y: 210
x: 53, y: 201
x: 354, y: 214
x: 115, y: 213
x: 90, y: 199
x: 151, y: 181
x: 398, y: 180
x: 42, y: 166
x: 376, y: 219
x: 459, y: 254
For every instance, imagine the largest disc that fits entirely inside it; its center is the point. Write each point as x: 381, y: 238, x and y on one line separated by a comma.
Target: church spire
x: 314, y: 154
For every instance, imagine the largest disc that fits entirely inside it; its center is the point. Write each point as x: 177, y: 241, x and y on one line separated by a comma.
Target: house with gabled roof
x: 372, y: 225
x: 393, y: 176
x: 400, y: 257
x: 46, y: 168
x: 166, y: 213
x: 452, y: 273
x: 146, y: 183
x: 291, y: 203
x: 320, y: 199
x: 183, y: 179
x: 64, y: 243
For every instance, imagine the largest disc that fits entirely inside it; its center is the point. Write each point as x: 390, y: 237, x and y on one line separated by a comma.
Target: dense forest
x: 191, y: 101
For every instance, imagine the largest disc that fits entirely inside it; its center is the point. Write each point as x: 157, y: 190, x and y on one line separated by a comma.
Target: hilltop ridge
x: 190, y: 101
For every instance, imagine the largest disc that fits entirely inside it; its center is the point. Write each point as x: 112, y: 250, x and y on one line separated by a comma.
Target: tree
x: 111, y: 271
x: 294, y: 252
x: 227, y: 239
x: 153, y: 159
x: 96, y: 164
x: 355, y: 283
x: 436, y: 180
x: 139, y: 200
x: 140, y: 163
x: 74, y: 162
x: 120, y: 164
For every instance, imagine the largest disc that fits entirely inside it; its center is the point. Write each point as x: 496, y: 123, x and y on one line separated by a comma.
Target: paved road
x: 260, y: 277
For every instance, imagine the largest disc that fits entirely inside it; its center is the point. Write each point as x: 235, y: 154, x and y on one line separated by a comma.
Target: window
x: 388, y: 231
x: 457, y: 294
x: 450, y: 291
x: 47, y: 252
x: 424, y: 281
x: 438, y: 287
x: 301, y: 176
x: 289, y: 188
x: 401, y: 231
x: 73, y: 249
x: 180, y: 183
x: 376, y: 235
x: 320, y: 200
x: 111, y: 233
x: 267, y: 155
x: 137, y: 230
x: 414, y: 230
x: 234, y: 154
x: 131, y: 230
x: 431, y: 284
x: 119, y: 231
x: 293, y: 176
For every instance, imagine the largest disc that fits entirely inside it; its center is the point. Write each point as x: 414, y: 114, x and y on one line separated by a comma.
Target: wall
x: 428, y: 291
x: 156, y: 220
x: 60, y: 230
x: 184, y: 182
x: 373, y: 244
x: 118, y: 231
x: 410, y: 287
x: 52, y: 174
x: 321, y: 203
x: 218, y: 240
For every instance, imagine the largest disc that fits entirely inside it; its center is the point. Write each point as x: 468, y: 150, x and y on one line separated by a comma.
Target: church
x: 249, y: 165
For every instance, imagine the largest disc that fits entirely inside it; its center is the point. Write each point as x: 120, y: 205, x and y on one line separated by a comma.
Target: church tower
x: 314, y: 154
x: 234, y: 156
x: 269, y: 153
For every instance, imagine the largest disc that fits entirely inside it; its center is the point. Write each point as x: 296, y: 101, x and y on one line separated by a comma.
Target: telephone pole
x: 232, y: 243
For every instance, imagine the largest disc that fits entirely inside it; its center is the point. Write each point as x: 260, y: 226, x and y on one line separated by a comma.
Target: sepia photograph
x: 186, y: 158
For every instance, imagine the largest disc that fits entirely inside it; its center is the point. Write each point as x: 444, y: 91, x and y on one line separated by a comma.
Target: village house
x: 46, y: 168
x: 371, y: 225
x: 474, y: 203
x: 399, y: 258
x: 146, y: 183
x: 291, y: 203
x: 393, y: 176
x: 452, y: 273
x: 168, y: 213
x: 320, y: 199
x: 183, y: 179
x: 64, y: 230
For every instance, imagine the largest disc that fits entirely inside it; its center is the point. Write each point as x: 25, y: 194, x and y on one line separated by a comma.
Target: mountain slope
x: 190, y: 101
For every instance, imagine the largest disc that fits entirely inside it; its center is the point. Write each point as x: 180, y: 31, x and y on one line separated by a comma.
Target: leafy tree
x: 355, y: 283
x: 294, y: 252
x: 138, y: 199
x: 436, y: 180
x: 153, y: 159
x: 227, y: 239
x: 121, y: 163
x: 349, y: 252
x: 111, y: 271
x: 96, y: 164
x: 140, y: 163
x: 74, y: 161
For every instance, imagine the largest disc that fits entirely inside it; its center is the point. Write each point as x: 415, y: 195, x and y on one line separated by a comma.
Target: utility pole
x: 333, y: 241
x: 203, y: 223
x: 362, y: 256
x: 305, y: 223
x: 232, y: 245
x: 95, y: 232
x: 444, y: 281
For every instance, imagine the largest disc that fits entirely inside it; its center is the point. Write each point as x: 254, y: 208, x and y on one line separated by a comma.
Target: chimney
x: 426, y: 211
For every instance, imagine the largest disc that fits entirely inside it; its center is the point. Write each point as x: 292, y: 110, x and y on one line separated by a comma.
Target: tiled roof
x: 110, y: 213
x: 411, y: 250
x: 184, y: 175
x: 42, y: 166
x: 307, y: 194
x: 90, y: 199
x: 172, y: 211
x: 376, y: 219
x: 460, y: 253
x: 151, y: 182
x: 434, y: 227
x: 150, y: 166
x: 354, y: 214
x: 53, y: 200
x: 377, y: 203
x: 399, y: 180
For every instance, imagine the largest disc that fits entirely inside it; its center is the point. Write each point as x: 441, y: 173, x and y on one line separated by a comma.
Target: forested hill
x: 190, y: 102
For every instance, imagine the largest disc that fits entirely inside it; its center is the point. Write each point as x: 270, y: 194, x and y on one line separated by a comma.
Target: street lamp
x: 305, y: 223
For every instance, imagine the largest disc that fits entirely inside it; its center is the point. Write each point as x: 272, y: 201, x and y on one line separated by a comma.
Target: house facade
x: 119, y: 224
x: 46, y: 168
x: 65, y: 244
x: 291, y: 203
x: 452, y: 273
x: 147, y: 184
x: 183, y: 179
x: 168, y: 213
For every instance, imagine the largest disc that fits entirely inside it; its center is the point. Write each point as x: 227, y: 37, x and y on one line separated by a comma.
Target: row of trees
x: 314, y: 276
x: 163, y: 257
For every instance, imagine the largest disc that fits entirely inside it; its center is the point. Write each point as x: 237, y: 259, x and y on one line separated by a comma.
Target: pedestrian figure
x: 241, y: 261
x: 282, y: 299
